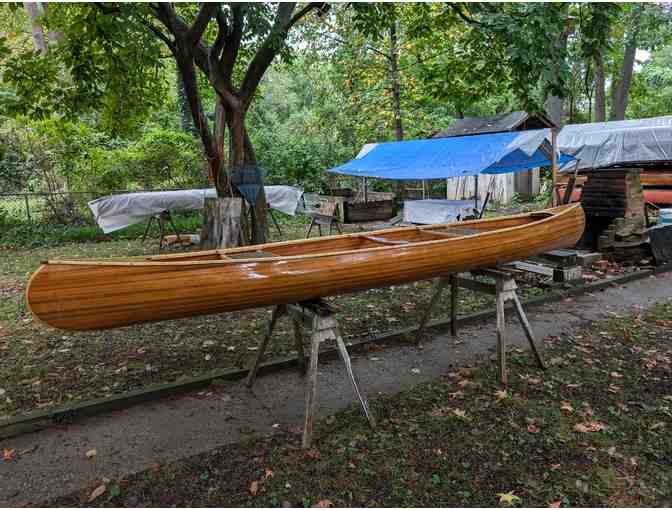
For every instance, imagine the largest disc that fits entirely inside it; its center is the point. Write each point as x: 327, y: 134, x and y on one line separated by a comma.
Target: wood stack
x: 615, y: 219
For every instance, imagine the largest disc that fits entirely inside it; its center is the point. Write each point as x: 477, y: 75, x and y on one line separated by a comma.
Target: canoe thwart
x: 382, y: 240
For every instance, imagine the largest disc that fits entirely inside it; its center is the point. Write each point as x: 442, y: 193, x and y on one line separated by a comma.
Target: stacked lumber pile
x: 614, y: 205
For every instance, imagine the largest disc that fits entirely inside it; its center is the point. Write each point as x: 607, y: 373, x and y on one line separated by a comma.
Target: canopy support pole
x: 554, y: 166
x: 476, y: 192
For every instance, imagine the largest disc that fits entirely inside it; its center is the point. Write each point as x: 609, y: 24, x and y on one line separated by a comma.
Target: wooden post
x: 366, y: 191
x: 424, y: 319
x: 501, y: 334
x: 311, y: 390
x: 453, y: 304
x: 476, y: 192
x: 554, y: 166
x: 298, y: 342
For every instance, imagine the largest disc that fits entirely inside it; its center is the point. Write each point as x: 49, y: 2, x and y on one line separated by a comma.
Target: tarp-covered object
x: 436, y: 211
x: 118, y: 211
x: 623, y: 142
x: 458, y: 156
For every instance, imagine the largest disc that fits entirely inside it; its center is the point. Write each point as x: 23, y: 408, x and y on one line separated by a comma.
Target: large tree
x: 227, y: 47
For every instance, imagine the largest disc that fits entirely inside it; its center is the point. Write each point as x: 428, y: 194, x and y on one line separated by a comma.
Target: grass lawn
x: 593, y: 430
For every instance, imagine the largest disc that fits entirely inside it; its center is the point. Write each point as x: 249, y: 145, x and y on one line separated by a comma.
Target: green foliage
x: 105, y: 65
x: 25, y: 235
x: 160, y: 158
x: 651, y: 92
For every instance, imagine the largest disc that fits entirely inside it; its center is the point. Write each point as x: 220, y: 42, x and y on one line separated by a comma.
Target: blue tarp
x: 458, y: 156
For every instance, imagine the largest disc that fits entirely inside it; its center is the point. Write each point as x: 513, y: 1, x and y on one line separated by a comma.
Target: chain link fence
x: 57, y: 209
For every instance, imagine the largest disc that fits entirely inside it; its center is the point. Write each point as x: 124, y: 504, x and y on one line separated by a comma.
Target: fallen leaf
x: 532, y: 428
x: 8, y: 454
x: 323, y: 503
x: 508, y: 498
x: 460, y: 413
x: 615, y: 388
x: 566, y: 407
x: 97, y: 492
x: 591, y: 426
x: 91, y: 453
x: 254, y: 488
x: 501, y: 394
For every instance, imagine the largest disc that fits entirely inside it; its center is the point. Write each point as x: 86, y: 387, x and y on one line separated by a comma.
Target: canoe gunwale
x: 165, y: 259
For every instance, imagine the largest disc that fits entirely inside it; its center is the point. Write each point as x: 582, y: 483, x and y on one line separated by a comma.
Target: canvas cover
x: 603, y: 144
x: 459, y: 156
x: 115, y: 212
x: 432, y: 210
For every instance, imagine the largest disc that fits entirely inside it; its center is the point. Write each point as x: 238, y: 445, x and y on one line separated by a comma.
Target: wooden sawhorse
x: 319, y: 317
x: 162, y: 218
x: 504, y: 289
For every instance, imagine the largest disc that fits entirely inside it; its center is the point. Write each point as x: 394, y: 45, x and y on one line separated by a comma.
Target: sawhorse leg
x: 438, y: 291
x: 278, y: 311
x: 310, y: 227
x: 326, y: 328
x: 149, y: 224
x: 275, y: 221
x: 506, y: 291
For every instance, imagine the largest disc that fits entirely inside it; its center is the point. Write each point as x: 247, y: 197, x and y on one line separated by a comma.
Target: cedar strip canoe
x: 99, y: 294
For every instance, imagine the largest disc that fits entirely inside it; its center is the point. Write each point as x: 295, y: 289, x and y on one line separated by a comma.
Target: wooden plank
x: 532, y: 268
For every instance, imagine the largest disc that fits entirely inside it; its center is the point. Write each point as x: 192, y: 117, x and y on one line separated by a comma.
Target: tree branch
x: 205, y: 14
x: 233, y: 40
x: 157, y: 32
x: 105, y: 9
x: 271, y: 46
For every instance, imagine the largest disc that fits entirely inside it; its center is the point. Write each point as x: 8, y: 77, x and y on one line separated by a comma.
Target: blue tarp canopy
x: 458, y: 156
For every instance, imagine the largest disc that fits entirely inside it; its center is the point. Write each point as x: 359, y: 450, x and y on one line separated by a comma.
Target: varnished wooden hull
x: 82, y: 295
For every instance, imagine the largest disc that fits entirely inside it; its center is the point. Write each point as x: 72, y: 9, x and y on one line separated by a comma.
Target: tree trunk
x: 600, y: 94
x: 622, y: 90
x: 221, y: 223
x: 554, y: 104
x: 396, y: 97
x: 241, y: 155
x: 186, y: 122
x: 34, y: 11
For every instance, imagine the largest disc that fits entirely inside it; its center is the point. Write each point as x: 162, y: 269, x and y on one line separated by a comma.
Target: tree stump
x: 221, y: 223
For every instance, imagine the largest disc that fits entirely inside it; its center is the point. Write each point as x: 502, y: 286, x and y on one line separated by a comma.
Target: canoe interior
x: 360, y: 241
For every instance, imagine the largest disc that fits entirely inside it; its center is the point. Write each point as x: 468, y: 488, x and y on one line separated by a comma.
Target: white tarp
x: 431, y: 211
x: 602, y: 144
x: 118, y: 211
